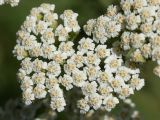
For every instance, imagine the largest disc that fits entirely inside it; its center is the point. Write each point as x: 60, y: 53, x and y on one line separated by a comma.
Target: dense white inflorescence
x: 51, y: 60
x: 142, y: 35
x: 13, y: 3
x: 43, y: 47
x: 106, y: 26
x: 107, y: 78
x: 137, y: 23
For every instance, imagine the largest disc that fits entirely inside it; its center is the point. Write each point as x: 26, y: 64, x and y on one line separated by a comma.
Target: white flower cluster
x: 43, y: 46
x: 137, y: 23
x: 106, y: 26
x: 102, y: 76
x: 13, y: 3
x: 142, y: 34
x: 51, y: 60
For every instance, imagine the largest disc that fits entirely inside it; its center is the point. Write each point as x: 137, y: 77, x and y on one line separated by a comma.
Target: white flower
x: 125, y: 40
x: 62, y: 33
x: 83, y: 105
x: 56, y: 92
x: 123, y: 73
x: 146, y: 50
x: 51, y: 82
x: 47, y: 7
x: 59, y: 57
x: 88, y: 28
x: 110, y: 102
x: 100, y: 29
x: 27, y: 65
x: 104, y: 77
x: 29, y: 41
x: 39, y: 78
x: 26, y: 83
x: 58, y: 104
x: 116, y: 83
x: 35, y: 12
x: 29, y: 23
x: 89, y: 88
x: 137, y: 56
x: 21, y: 74
x: 155, y: 41
x: 50, y: 17
x: 53, y: 69
x: 120, y: 19
x: 92, y: 72
x: 147, y: 29
x: 39, y: 65
x: 112, y: 10
x: 79, y: 78
x: 137, y: 40
x: 112, y: 63
x: 39, y: 91
x: 125, y: 91
x: 70, y: 21
x: 85, y: 45
x: 40, y: 28
x: 95, y: 101
x: 36, y: 51
x: 22, y: 34
x: 105, y: 90
x: 48, y: 50
x: 78, y: 59
x: 136, y: 82
x: 133, y: 21
x: 68, y: 14
x: 126, y: 5
x: 20, y: 52
x: 66, y: 48
x: 48, y: 36
x: 113, y: 29
x: 69, y: 67
x: 100, y: 35
x: 102, y: 51
x: 28, y: 96
x: 147, y: 13
x: 139, y: 4
x: 66, y: 81
x: 72, y: 25
x: 92, y: 59
x: 102, y: 21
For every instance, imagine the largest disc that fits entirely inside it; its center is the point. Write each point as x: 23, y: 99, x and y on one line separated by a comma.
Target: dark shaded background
x: 147, y: 100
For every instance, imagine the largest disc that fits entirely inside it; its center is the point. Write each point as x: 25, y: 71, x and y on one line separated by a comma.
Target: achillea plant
x: 54, y: 60
x: 135, y: 25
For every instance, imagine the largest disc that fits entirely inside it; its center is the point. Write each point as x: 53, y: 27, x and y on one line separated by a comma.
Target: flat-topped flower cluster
x: 136, y: 23
x: 52, y: 60
x: 13, y: 3
x: 106, y: 77
x: 43, y: 46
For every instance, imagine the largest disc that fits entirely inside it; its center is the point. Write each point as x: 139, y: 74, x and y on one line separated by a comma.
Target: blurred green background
x: 147, y: 100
